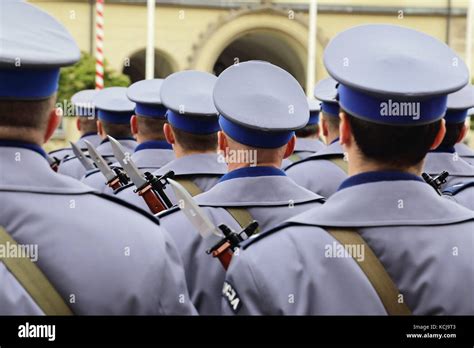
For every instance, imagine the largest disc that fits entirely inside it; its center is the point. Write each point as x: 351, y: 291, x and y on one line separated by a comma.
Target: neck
x: 180, y: 152
x: 331, y: 137
x: 358, y: 165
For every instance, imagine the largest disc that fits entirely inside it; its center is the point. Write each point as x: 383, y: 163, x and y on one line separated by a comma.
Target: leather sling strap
x: 241, y: 215
x: 294, y: 158
x: 340, y: 162
x: 376, y: 273
x: 33, y: 280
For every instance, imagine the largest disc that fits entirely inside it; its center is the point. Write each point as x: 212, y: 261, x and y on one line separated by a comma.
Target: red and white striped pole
x: 99, y: 44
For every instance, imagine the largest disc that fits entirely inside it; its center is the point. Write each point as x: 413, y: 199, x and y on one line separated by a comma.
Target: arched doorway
x: 164, y: 65
x: 264, y: 45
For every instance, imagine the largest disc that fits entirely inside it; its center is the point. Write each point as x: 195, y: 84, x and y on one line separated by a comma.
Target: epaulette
x: 123, y: 203
x: 120, y: 189
x: 455, y: 189
x: 167, y: 212
x: 68, y: 159
x: 255, y: 238
x: 90, y: 172
x: 57, y: 150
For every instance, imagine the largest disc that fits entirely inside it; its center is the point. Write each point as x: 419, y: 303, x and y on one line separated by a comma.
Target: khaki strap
x: 340, y: 162
x: 241, y: 215
x: 294, y: 158
x: 383, y: 284
x: 190, y: 186
x: 34, y: 281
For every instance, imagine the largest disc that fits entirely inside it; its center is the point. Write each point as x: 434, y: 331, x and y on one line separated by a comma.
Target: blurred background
x: 211, y: 35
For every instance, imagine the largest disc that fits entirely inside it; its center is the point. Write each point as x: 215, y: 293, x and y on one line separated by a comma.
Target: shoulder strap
x: 34, y: 281
x: 241, y: 215
x: 294, y: 158
x: 340, y: 162
x: 383, y: 284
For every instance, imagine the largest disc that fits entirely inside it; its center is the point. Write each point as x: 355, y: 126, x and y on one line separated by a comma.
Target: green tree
x: 82, y: 76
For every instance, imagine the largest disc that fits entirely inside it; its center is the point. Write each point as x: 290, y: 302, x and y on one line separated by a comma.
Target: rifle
x: 148, y: 186
x: 437, y: 181
x: 226, y: 247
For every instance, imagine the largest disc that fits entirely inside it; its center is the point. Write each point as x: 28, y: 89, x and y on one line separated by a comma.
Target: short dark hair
x: 88, y: 125
x: 453, y: 130
x: 117, y: 130
x: 397, y: 146
x: 195, y: 142
x: 151, y: 128
x: 31, y: 114
x: 308, y: 131
x: 333, y: 122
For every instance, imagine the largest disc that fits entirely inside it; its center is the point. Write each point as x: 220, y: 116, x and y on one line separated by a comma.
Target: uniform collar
x: 369, y: 177
x: 252, y: 172
x: 24, y: 145
x: 154, y: 144
x: 334, y: 141
x: 444, y: 149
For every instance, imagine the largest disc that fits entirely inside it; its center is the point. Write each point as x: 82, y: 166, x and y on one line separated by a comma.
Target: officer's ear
x: 100, y: 130
x: 78, y: 124
x: 325, y: 127
x: 345, y: 130
x: 440, y: 136
x: 222, y: 141
x: 169, y: 135
x: 290, y: 147
x: 134, y: 125
x: 463, y: 133
x: 54, y: 120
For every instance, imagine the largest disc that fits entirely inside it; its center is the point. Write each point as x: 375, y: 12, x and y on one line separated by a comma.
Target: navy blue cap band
x: 330, y: 109
x: 193, y: 124
x: 115, y: 117
x: 392, y: 110
x: 254, y: 137
x: 313, y: 118
x: 28, y: 83
x: 455, y: 116
x: 150, y: 110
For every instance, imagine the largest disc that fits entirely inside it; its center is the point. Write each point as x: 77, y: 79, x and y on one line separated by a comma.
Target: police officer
x: 89, y: 258
x: 114, y: 111
x: 324, y: 171
x: 191, y: 129
x: 416, y: 242
x: 152, y: 152
x: 445, y: 156
x: 463, y: 150
x: 86, y: 123
x: 255, y: 140
x: 307, y: 138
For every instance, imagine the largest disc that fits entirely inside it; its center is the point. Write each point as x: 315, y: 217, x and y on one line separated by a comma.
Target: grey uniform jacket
x: 303, y: 149
x: 317, y: 174
x: 423, y: 240
x: 269, y: 199
x: 147, y: 160
x: 465, y: 152
x: 459, y: 170
x: 203, y: 169
x: 108, y: 256
x: 73, y: 168
x: 61, y: 154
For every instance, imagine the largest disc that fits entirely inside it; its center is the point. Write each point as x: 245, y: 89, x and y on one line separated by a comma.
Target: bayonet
x: 148, y: 186
x: 85, y: 161
x: 230, y: 240
x: 115, y: 178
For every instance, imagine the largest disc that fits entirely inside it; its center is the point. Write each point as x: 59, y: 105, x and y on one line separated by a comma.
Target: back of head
x: 34, y: 47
